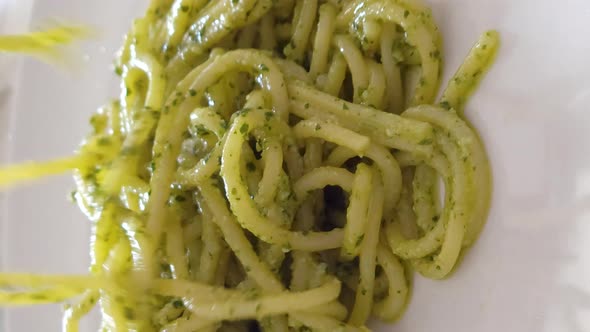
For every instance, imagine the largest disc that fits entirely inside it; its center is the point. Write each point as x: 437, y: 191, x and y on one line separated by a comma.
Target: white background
x: 530, y: 270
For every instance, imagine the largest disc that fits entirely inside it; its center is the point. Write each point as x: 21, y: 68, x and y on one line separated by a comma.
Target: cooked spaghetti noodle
x: 271, y: 165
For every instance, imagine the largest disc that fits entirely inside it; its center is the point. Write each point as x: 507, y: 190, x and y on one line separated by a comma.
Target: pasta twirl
x: 271, y: 165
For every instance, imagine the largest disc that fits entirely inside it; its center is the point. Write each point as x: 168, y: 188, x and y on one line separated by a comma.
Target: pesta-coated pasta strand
x: 260, y: 169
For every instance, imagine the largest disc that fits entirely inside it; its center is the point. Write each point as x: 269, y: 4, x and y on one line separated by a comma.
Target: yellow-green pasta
x: 368, y: 253
x: 356, y: 215
x: 44, y: 45
x: 321, y: 46
x: 392, y: 69
x: 471, y: 72
x: 261, y: 169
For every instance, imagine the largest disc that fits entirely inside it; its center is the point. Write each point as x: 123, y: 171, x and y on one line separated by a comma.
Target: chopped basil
x: 244, y: 129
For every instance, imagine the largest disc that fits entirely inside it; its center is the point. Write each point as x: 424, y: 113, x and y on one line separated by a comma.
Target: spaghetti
x: 271, y: 165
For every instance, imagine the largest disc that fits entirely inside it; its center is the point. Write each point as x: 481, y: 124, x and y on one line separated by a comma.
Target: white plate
x: 528, y: 272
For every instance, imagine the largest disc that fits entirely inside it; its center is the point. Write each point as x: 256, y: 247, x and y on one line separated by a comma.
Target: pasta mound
x: 271, y: 165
